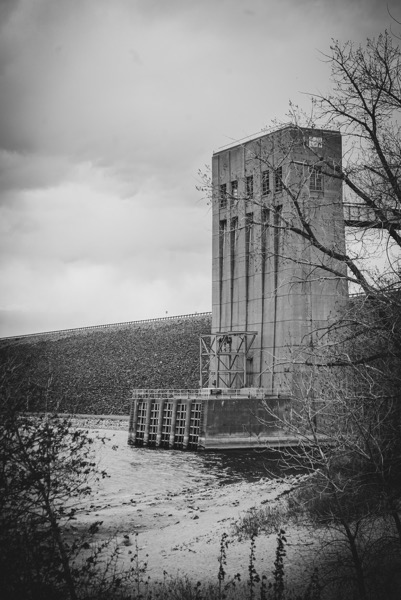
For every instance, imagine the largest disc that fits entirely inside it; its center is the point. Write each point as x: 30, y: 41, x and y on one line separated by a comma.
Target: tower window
x: 265, y: 182
x: 223, y: 195
x: 249, y: 186
x: 249, y: 231
x: 234, y: 188
x: 234, y: 234
x: 316, y: 179
x: 278, y: 179
x: 265, y: 217
x: 222, y: 235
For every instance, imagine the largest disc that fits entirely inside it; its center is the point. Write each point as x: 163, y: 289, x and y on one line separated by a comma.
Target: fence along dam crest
x: 263, y: 304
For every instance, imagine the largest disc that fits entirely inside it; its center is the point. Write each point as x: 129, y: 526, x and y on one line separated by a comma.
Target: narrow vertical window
x: 277, y: 236
x: 249, y: 232
x: 265, y: 182
x: 223, y: 195
x: 316, y: 179
x: 249, y: 187
x: 222, y: 240
x: 278, y: 179
x: 233, y: 248
x: 223, y: 230
x: 234, y: 234
x: 234, y: 189
x: 249, y: 252
x: 265, y: 215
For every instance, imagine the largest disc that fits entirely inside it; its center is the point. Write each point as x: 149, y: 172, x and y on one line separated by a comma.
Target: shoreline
x: 180, y: 533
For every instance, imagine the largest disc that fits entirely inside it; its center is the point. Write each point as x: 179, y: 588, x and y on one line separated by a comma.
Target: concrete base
x: 210, y: 419
x: 243, y: 421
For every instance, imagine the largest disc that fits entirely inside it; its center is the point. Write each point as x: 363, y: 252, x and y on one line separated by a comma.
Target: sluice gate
x: 165, y: 418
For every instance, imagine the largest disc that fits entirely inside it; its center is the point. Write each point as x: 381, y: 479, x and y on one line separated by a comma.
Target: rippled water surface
x: 147, y: 471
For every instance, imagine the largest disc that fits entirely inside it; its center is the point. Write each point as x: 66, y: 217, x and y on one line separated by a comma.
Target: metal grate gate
x: 180, y: 425
x: 170, y: 423
x: 166, y: 426
x: 194, y: 427
x: 141, y: 421
x: 154, y: 419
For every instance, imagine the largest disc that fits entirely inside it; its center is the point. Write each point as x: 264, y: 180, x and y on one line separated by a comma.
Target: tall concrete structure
x: 268, y: 280
x: 272, y: 293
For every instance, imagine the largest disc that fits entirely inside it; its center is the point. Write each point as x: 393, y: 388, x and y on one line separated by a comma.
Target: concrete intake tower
x: 272, y: 292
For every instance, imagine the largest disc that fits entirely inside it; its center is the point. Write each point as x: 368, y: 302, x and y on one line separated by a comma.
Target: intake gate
x: 165, y: 418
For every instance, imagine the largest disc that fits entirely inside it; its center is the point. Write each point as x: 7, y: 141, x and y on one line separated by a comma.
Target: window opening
x: 278, y: 179
x: 222, y: 235
x: 223, y: 195
x: 265, y: 182
x: 265, y: 226
x: 265, y: 217
x: 234, y: 189
x: 234, y: 233
x: 316, y: 179
x: 249, y: 187
x: 222, y: 244
x: 249, y: 232
x: 277, y: 231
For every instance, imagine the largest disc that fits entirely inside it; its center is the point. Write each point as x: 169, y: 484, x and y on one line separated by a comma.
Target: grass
x: 267, y: 519
x: 256, y: 586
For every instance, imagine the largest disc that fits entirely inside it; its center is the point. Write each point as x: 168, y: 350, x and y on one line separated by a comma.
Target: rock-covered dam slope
x: 92, y: 370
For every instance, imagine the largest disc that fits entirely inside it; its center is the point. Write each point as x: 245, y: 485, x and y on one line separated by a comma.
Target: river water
x: 135, y: 471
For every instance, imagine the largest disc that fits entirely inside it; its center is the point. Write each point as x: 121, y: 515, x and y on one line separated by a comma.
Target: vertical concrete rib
x: 133, y: 421
x: 264, y: 216
x: 173, y: 422
x: 187, y: 424
x: 221, y: 249
x: 147, y: 421
x: 160, y: 422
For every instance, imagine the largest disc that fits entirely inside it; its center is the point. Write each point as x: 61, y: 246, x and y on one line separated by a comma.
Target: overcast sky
x: 108, y: 108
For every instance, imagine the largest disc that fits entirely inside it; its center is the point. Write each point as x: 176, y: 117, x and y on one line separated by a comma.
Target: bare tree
x: 46, y: 465
x: 346, y: 405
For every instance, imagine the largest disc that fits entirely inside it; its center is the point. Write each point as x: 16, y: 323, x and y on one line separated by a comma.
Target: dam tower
x: 270, y: 285
x: 270, y: 296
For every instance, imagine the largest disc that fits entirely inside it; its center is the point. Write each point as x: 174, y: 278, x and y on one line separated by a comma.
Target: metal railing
x: 251, y: 392
x: 364, y: 216
x: 138, y: 394
x: 108, y: 325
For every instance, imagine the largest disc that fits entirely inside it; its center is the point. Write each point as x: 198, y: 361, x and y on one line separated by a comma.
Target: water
x: 135, y: 471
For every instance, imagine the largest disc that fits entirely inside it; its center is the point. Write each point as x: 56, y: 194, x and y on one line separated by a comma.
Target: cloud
x: 82, y: 254
x: 26, y: 171
x: 108, y: 111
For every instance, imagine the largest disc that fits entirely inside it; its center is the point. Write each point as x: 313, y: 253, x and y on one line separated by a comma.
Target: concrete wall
x: 241, y: 422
